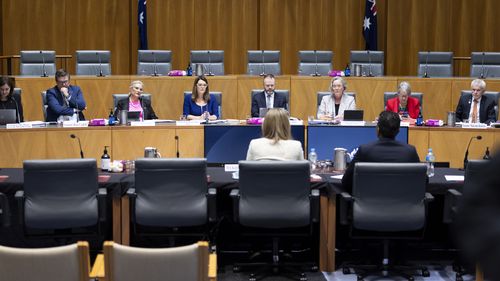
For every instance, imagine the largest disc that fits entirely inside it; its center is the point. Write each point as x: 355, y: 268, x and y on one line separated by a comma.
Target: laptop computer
x: 353, y: 115
x: 133, y: 116
x: 7, y: 116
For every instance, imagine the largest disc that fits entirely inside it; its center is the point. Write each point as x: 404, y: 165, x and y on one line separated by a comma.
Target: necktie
x: 474, y: 111
x: 268, y: 101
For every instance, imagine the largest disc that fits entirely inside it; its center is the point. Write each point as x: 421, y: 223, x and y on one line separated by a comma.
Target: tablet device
x: 7, y: 116
x: 353, y: 115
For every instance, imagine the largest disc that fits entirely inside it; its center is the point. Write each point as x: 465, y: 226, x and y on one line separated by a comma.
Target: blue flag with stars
x: 143, y: 25
x: 370, y: 25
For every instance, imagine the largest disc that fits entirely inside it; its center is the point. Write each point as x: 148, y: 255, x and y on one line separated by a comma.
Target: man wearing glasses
x: 64, y: 101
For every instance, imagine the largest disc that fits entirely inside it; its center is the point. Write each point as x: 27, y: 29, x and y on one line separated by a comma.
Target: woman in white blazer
x: 276, y: 142
x: 332, y: 106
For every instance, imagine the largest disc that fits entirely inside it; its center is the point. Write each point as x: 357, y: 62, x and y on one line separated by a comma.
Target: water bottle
x: 313, y: 157
x: 111, y: 118
x: 105, y: 160
x: 189, y: 70
x: 420, y: 119
x: 430, y: 158
x: 347, y: 70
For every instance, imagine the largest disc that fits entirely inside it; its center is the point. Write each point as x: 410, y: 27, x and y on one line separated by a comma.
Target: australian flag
x: 143, y: 24
x: 370, y: 25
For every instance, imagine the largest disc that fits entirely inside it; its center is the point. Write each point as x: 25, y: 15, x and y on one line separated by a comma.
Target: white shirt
x: 264, y: 148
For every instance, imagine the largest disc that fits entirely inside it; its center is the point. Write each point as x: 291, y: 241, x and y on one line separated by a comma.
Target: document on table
x: 454, y: 178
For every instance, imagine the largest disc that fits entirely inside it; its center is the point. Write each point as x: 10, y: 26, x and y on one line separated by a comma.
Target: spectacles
x: 63, y: 82
x: 201, y: 85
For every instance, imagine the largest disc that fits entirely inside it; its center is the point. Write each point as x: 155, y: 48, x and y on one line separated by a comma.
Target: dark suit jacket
x: 486, y: 109
x: 57, y: 104
x: 382, y: 150
x: 149, y: 113
x: 259, y: 101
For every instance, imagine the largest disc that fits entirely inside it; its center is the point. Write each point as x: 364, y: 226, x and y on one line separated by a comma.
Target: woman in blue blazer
x: 201, y: 105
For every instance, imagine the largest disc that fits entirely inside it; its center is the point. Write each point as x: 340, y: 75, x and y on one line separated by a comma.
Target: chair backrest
x: 268, y: 189
x: 4, y: 210
x: 486, y: 63
x: 490, y: 94
x: 370, y: 60
x: 150, y: 60
x: 311, y: 62
x: 389, y: 95
x: 218, y: 97
x: 36, y: 63
x: 125, y: 263
x: 171, y: 192
x: 436, y: 64
x: 389, y: 196
x: 320, y: 95
x: 66, y: 185
x: 44, y: 104
x: 474, y: 173
x: 92, y: 62
x: 118, y: 97
x: 263, y: 61
x: 17, y: 91
x: 63, y: 263
x: 283, y: 92
x: 213, y: 60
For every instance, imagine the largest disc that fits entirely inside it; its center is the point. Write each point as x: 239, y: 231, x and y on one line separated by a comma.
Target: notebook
x: 7, y: 116
x: 353, y: 115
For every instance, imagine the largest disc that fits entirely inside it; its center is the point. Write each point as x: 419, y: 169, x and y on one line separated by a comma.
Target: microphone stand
x: 315, y: 74
x: 73, y: 136
x: 370, y: 74
x: 100, y: 65
x: 426, y: 75
x: 177, y: 146
x: 482, y: 67
x: 209, y: 65
x: 155, y: 69
x: 44, y: 72
x: 466, y: 157
x: 263, y: 65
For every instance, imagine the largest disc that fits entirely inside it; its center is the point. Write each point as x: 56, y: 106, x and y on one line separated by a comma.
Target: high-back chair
x: 435, y: 64
x: 485, y: 64
x: 315, y: 62
x: 371, y: 61
x: 154, y: 62
x: 37, y: 63
x: 212, y: 60
x: 262, y: 62
x: 93, y: 62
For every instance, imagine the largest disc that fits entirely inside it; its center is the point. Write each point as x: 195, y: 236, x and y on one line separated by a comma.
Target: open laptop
x: 7, y: 116
x: 133, y: 116
x: 353, y: 115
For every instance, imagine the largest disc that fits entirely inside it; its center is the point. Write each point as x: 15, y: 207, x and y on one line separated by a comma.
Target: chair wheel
x: 236, y: 269
x: 303, y: 278
x: 425, y: 273
x: 252, y: 277
x: 346, y: 270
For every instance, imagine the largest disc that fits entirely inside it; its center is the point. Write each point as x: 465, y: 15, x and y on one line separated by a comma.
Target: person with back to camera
x: 385, y: 149
x: 476, y: 107
x: 406, y: 106
x: 134, y: 102
x: 65, y: 101
x: 276, y: 142
x: 332, y: 106
x: 7, y: 98
x: 268, y: 98
x: 201, y: 104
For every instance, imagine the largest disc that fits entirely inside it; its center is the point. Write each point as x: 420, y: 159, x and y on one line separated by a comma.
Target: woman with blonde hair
x: 276, y: 142
x: 135, y: 102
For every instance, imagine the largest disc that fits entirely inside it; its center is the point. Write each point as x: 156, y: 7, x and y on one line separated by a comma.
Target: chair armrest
x: 235, y: 195
x: 314, y: 202
x: 4, y: 210
x: 346, y: 200
x: 102, y: 193
x: 131, y: 200
x: 131, y: 193
x: 428, y: 197
x: 97, y: 271
x: 450, y: 205
x: 212, y: 204
x: 20, y: 206
x: 212, y: 267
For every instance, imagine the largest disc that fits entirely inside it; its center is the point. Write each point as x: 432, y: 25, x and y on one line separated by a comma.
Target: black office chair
x: 388, y: 202
x: 154, y: 62
x: 37, y: 63
x: 218, y: 97
x: 435, y: 64
x: 263, y: 62
x: 212, y: 60
x: 262, y: 204
x: 60, y: 197
x: 93, y: 62
x: 485, y: 64
x: 171, y: 198
x: 372, y: 62
x: 315, y: 62
x: 4, y: 210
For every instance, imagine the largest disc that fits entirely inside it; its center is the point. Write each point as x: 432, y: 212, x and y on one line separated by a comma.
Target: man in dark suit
x: 268, y: 98
x: 385, y: 149
x: 64, y: 99
x: 467, y: 108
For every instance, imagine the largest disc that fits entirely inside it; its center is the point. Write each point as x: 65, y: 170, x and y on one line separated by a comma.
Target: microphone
x: 100, y: 65
x: 263, y: 65
x: 209, y: 65
x: 316, y: 74
x: 482, y: 67
x: 73, y: 136
x: 17, y: 110
x: 155, y: 69
x: 370, y: 74
x: 466, y: 157
x: 177, y: 146
x: 426, y: 75
x: 44, y: 72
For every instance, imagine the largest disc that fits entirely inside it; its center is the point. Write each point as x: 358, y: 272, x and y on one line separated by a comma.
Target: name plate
x: 148, y: 123
x: 26, y: 125
x: 474, y: 125
x: 70, y: 124
x: 189, y: 123
x: 231, y: 167
x: 352, y: 123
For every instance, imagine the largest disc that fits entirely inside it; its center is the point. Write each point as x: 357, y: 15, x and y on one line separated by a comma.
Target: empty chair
x: 435, y: 64
x: 372, y: 62
x: 490, y: 94
x: 38, y: 63
x: 315, y: 62
x: 192, y: 262
x: 93, y: 62
x: 217, y: 95
x: 417, y: 95
x: 64, y: 263
x: 262, y: 62
x: 154, y: 62
x: 212, y: 60
x: 485, y: 64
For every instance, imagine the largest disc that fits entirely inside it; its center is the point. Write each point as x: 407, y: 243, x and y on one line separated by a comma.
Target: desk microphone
x: 482, y: 67
x: 209, y: 65
x: 426, y: 75
x: 17, y: 109
x: 466, y: 157
x: 155, y: 68
x: 100, y: 65
x: 44, y: 72
x: 73, y: 136
x: 315, y: 64
x: 370, y: 73
x: 177, y: 146
x: 263, y: 65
